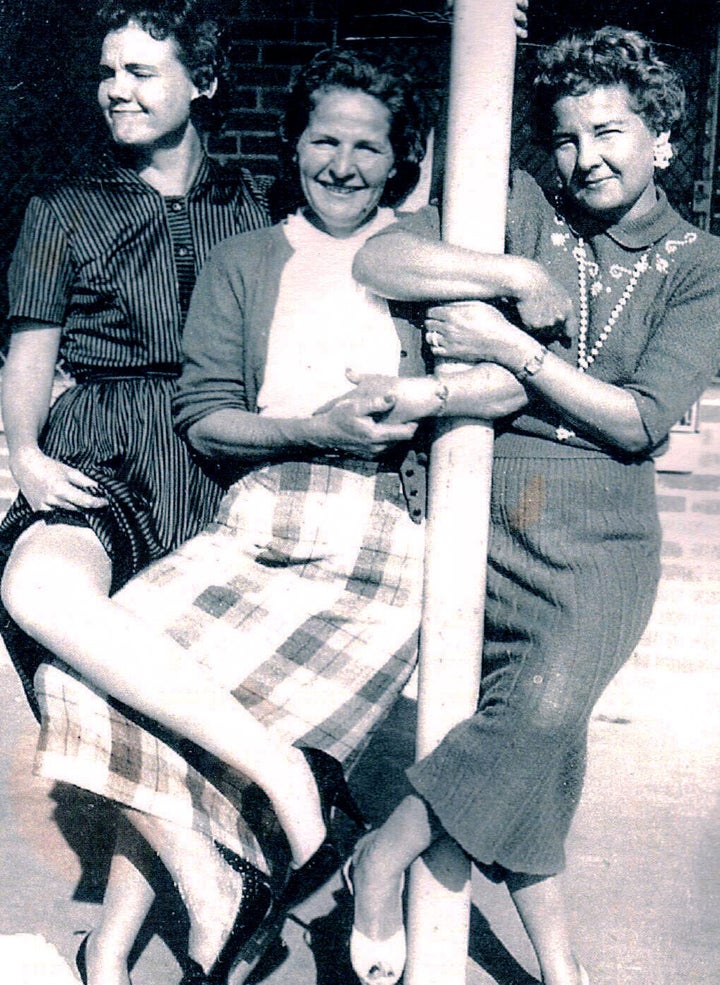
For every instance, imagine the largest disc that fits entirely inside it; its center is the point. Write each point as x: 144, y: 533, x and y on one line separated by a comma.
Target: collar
x: 634, y: 234
x: 114, y: 170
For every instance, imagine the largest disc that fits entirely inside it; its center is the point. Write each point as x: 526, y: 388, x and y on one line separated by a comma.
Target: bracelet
x: 533, y: 365
x: 442, y: 393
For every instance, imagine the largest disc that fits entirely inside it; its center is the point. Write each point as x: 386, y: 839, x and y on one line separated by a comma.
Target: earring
x: 662, y: 151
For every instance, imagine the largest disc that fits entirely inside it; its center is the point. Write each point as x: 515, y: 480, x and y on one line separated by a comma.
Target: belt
x: 102, y: 374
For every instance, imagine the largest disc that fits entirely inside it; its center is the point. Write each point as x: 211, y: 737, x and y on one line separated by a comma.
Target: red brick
x: 288, y: 54
x: 255, y: 122
x: 671, y: 504
x: 694, y: 481
x: 707, y: 506
x: 225, y: 145
x: 259, y: 145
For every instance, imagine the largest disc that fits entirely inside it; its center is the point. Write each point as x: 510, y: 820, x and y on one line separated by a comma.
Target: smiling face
x: 345, y: 158
x: 145, y: 91
x: 603, y: 152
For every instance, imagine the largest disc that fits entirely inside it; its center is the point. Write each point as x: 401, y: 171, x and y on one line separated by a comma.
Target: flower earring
x: 662, y: 151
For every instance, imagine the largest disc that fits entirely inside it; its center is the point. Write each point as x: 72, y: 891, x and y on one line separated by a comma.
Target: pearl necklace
x: 585, y: 358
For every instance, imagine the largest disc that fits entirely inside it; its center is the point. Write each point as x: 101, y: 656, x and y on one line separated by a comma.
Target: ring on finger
x: 433, y: 339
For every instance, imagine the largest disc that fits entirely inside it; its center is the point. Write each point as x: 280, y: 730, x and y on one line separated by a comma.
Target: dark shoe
x: 332, y: 787
x: 194, y: 975
x: 81, y: 959
x: 303, y: 882
x: 334, y: 793
x: 255, y: 927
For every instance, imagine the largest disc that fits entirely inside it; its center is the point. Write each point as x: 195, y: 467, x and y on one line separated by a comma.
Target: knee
x: 20, y: 592
x: 554, y: 713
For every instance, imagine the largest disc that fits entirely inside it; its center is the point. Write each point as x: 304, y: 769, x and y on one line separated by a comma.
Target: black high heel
x: 332, y: 787
x: 194, y: 975
x: 334, y: 793
x: 256, y: 925
x: 81, y: 959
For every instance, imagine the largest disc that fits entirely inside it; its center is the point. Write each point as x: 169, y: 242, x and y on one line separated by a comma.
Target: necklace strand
x: 584, y: 358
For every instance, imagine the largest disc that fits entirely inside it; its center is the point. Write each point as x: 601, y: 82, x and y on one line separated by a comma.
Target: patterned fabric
x: 98, y: 257
x: 665, y: 347
x: 302, y: 600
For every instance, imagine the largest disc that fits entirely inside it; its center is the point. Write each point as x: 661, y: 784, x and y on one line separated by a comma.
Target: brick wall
x: 690, y: 501
x: 269, y: 40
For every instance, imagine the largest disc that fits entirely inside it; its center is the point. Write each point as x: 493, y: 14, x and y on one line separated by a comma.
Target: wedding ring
x: 433, y: 339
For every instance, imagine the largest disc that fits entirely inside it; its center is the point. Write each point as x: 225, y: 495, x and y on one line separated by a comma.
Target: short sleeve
x: 683, y: 352
x: 213, y: 344
x: 527, y: 213
x: 41, y: 270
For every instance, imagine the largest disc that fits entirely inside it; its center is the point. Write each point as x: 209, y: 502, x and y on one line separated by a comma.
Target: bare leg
x: 128, y: 898
x: 56, y: 588
x: 211, y: 889
x: 540, y: 904
x: 379, y: 863
x: 382, y: 857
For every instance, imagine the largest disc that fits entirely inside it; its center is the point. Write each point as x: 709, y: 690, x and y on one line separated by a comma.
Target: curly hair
x: 607, y: 57
x: 190, y: 23
x: 379, y: 76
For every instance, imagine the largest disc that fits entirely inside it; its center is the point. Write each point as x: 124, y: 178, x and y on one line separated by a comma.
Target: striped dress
x: 114, y: 262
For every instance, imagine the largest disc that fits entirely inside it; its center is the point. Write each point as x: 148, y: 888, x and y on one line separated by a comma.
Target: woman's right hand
x: 355, y: 423
x: 48, y: 484
x: 543, y: 304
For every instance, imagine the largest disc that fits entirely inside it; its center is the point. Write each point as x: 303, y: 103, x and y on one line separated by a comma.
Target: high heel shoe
x: 254, y: 928
x: 81, y: 959
x: 375, y: 962
x: 334, y: 794
x: 332, y: 787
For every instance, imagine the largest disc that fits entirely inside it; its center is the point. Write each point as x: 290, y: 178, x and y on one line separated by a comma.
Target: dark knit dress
x: 114, y: 262
x: 574, y: 545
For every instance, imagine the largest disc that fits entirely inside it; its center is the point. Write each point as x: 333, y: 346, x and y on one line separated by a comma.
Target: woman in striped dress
x: 574, y: 551
x: 101, y: 279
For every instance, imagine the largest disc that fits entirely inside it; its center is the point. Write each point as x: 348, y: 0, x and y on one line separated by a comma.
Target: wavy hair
x: 609, y: 56
x: 191, y: 24
x: 377, y: 75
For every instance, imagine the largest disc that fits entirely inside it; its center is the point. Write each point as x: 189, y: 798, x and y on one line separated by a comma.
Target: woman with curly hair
x: 574, y: 553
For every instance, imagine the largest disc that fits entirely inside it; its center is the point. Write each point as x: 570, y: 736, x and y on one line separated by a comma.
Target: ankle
x: 106, y: 960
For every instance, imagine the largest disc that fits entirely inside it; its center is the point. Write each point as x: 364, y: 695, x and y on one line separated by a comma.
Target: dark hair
x: 379, y: 76
x: 190, y: 23
x: 609, y: 56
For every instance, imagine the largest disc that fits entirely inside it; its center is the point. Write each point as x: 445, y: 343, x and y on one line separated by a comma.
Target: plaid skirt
x: 302, y: 600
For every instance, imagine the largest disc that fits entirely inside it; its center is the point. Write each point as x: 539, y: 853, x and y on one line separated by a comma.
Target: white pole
x: 475, y: 197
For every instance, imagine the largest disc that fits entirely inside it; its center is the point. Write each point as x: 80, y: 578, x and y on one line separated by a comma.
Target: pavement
x: 643, y: 875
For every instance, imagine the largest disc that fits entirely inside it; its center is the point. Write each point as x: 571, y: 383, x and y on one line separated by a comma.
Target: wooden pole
x: 475, y: 198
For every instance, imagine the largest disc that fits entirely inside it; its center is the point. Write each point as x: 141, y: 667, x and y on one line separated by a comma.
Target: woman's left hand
x: 472, y: 332
x: 414, y: 397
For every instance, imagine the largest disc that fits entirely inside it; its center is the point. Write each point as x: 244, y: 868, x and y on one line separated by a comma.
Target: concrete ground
x: 643, y: 876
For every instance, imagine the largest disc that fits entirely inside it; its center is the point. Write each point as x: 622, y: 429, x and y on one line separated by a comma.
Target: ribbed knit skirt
x: 120, y: 433
x: 574, y: 562
x: 302, y: 600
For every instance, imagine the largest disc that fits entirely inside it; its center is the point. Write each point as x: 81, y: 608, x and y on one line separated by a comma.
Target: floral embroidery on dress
x: 564, y: 240
x: 671, y: 245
